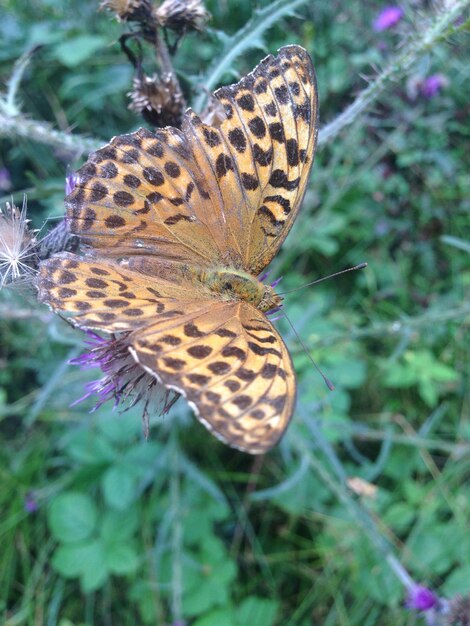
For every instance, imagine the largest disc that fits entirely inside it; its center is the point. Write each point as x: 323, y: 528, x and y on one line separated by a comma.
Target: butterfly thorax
x: 239, y: 285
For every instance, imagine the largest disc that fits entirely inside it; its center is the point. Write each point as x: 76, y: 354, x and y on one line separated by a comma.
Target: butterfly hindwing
x: 99, y: 295
x: 224, y: 357
x: 232, y: 367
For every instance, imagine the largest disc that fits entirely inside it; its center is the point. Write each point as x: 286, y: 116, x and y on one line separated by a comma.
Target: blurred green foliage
x: 100, y: 526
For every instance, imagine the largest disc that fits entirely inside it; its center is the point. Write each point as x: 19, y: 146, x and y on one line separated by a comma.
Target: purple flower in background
x: 421, y: 598
x: 432, y: 85
x: 30, y: 503
x: 5, y: 179
x: 388, y: 17
x: 70, y: 181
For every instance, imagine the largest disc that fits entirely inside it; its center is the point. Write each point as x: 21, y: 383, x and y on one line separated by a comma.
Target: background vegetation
x: 100, y: 526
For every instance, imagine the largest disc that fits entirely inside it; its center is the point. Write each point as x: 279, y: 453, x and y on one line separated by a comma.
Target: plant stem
x: 42, y: 132
x: 176, y: 532
x: 339, y: 487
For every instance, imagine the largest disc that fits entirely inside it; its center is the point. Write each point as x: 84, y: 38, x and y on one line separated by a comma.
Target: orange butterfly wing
x: 152, y: 207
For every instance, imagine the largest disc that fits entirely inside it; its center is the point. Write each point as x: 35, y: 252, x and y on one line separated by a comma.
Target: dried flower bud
x: 18, y: 246
x: 158, y: 99
x: 460, y: 611
x: 182, y: 15
x: 130, y: 10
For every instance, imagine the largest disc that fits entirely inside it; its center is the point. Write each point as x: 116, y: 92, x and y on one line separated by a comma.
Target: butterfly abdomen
x: 239, y: 285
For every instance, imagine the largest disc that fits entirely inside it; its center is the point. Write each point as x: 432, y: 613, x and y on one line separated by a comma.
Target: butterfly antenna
x: 361, y: 266
x: 328, y: 382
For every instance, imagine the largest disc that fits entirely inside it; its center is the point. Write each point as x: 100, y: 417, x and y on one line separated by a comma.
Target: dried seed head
x: 158, y: 99
x: 130, y: 10
x: 18, y: 246
x: 182, y: 15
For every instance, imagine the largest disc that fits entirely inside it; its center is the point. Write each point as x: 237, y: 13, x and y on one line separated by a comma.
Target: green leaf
x: 121, y: 558
x: 95, y: 571
x: 430, y: 548
x: 90, y: 448
x: 86, y: 560
x: 78, y: 49
x: 219, y: 617
x: 200, y: 600
x: 119, y: 525
x: 400, y: 515
x: 72, y: 517
x: 458, y: 582
x: 257, y: 612
x: 68, y: 559
x: 120, y: 428
x: 119, y: 486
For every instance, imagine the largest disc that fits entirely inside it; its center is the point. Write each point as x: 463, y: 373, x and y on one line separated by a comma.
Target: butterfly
x: 175, y: 227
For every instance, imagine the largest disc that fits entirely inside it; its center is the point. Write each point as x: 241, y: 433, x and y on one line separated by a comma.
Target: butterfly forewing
x: 143, y: 193
x: 262, y: 153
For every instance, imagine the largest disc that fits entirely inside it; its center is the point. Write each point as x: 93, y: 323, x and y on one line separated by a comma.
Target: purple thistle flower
x: 432, y: 85
x: 276, y: 282
x: 421, y: 598
x: 71, y: 181
x: 5, y: 179
x: 387, y: 18
x: 30, y: 503
x: 124, y: 380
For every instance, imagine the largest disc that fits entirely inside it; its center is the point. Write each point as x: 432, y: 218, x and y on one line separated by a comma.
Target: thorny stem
x: 9, y: 104
x: 42, y: 132
x: 442, y: 25
x: 166, y: 66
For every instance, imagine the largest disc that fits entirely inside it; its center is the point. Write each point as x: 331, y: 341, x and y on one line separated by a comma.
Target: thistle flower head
x: 30, y: 503
x: 387, y: 18
x: 5, y: 179
x: 157, y: 99
x: 123, y: 381
x: 182, y: 15
x: 433, y: 84
x: 71, y: 181
x: 421, y: 598
x: 18, y: 258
